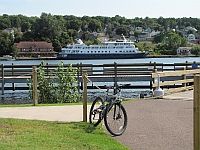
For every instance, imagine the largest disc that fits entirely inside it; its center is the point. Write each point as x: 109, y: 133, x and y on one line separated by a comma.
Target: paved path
x: 153, y: 124
x: 49, y: 113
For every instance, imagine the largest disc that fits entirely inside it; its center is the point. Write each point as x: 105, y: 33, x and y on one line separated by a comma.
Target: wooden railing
x: 132, y: 73
x: 185, y: 79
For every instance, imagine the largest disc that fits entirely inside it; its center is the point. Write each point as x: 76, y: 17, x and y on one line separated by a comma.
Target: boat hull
x: 102, y: 56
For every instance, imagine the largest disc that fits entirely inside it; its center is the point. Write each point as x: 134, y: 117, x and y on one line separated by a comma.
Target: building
x: 191, y: 37
x: 35, y: 49
x: 9, y: 30
x: 184, y: 51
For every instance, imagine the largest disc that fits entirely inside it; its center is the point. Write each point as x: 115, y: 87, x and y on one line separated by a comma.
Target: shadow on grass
x: 85, y: 126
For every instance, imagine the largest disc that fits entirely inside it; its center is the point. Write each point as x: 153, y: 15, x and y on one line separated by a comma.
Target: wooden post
x: 2, y: 75
x: 196, y: 114
x: 186, y: 63
x: 115, y: 83
x: 184, y: 78
x: 84, y: 96
x: 153, y: 79
x: 13, y: 84
x: 47, y: 69
x: 154, y: 65
x: 35, y: 94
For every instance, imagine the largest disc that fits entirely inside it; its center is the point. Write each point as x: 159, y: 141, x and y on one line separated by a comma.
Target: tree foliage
x: 63, y: 29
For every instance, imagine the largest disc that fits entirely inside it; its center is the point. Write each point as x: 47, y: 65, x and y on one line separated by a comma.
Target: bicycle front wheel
x: 96, y: 110
x: 115, y: 119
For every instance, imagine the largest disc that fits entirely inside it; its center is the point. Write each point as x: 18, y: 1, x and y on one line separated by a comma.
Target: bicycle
x: 113, y: 113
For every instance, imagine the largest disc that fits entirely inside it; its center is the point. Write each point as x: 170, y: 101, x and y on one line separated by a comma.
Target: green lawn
x: 18, y: 134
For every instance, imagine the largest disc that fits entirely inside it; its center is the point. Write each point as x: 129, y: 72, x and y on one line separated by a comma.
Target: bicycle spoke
x: 116, y: 119
x: 96, y: 109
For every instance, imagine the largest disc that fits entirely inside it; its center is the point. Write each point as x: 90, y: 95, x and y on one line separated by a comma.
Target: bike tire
x: 96, y: 110
x: 115, y: 119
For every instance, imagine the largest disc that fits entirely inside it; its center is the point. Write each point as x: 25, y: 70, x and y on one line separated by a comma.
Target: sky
x: 125, y: 8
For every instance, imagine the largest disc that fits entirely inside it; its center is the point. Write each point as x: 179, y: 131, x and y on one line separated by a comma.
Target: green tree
x: 47, y: 27
x: 6, y: 41
x: 26, y: 26
x: 196, y: 50
x: 15, y: 51
x: 94, y: 25
x: 123, y: 30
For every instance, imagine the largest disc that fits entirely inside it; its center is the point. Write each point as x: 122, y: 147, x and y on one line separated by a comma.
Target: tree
x: 123, y: 30
x: 94, y: 25
x: 47, y: 27
x: 26, y: 26
x: 6, y: 41
x: 15, y: 51
x: 196, y: 50
x: 4, y: 23
x: 75, y: 24
x: 28, y: 36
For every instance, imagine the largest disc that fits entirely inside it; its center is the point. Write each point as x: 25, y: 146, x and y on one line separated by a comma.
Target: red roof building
x: 35, y: 49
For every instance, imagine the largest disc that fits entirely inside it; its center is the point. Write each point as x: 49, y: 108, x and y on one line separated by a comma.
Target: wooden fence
x: 113, y: 73
x: 183, y: 78
x: 196, y: 113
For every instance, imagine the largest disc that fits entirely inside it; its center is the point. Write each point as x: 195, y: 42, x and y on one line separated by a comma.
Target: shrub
x: 63, y: 91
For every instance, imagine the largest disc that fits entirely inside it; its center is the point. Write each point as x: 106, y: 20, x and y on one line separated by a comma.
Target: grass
x: 30, y: 105
x: 148, y: 44
x: 44, y: 135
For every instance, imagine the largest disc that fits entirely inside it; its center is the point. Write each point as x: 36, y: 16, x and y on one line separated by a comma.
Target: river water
x: 106, y: 61
x: 22, y: 96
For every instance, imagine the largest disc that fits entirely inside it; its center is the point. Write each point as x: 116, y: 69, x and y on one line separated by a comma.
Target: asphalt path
x: 153, y: 124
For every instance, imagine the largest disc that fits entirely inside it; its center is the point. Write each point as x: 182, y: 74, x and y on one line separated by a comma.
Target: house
x: 191, y: 37
x: 184, y: 51
x: 138, y: 29
x: 9, y: 30
x: 143, y: 36
x: 35, y: 49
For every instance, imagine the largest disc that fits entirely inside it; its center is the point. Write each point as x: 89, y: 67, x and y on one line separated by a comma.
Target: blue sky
x: 125, y: 8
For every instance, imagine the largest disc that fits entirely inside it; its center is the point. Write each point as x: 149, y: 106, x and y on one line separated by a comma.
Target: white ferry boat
x: 119, y: 49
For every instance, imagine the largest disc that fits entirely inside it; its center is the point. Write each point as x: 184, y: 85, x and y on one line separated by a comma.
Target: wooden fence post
x: 13, y: 84
x: 2, y: 76
x: 115, y: 80
x: 154, y: 79
x: 184, y: 78
x: 196, y: 114
x: 35, y: 94
x: 84, y: 96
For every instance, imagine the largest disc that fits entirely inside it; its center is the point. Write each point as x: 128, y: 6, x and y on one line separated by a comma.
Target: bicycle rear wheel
x: 115, y: 119
x: 96, y: 110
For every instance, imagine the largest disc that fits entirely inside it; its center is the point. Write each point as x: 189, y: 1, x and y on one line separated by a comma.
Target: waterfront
x: 19, y: 95
x: 106, y: 61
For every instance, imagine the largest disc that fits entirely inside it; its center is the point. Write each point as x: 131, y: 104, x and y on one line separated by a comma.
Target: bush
x: 63, y: 91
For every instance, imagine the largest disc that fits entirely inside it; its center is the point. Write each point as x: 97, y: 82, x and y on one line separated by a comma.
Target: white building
x: 191, y: 37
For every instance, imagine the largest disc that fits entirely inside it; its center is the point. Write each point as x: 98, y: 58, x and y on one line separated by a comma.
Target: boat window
x: 102, y: 51
x: 116, y: 51
x: 98, y: 51
x: 105, y: 51
x: 88, y: 51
